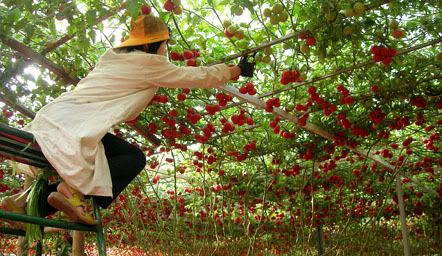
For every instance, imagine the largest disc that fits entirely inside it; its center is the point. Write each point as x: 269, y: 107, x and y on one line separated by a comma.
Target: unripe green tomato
x: 283, y: 17
x: 232, y: 29
x: 285, y: 46
x: 243, y: 44
x: 227, y: 23
x: 394, y: 24
x: 348, y: 30
x: 267, y: 12
x: 331, y: 16
x: 239, y: 34
x: 210, y: 60
x: 8, y: 3
x: 274, y: 19
x: 268, y: 50
x: 302, y: 77
x: 359, y: 9
x: 392, y: 4
x: 172, y: 41
x: 176, y: 2
x: 237, y: 10
x: 348, y: 12
x: 258, y: 57
x: 304, y: 48
x: 277, y: 8
x: 266, y: 59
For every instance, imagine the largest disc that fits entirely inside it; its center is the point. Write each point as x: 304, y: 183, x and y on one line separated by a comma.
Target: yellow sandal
x: 70, y: 206
x: 8, y: 204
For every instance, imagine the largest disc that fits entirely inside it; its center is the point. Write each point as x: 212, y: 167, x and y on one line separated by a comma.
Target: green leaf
x: 71, y: 30
x: 249, y: 5
x: 14, y: 15
x: 92, y: 34
x: 133, y: 8
x: 35, y: 196
x: 91, y: 17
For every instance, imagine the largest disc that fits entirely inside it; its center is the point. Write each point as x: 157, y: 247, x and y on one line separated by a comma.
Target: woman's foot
x: 16, y: 204
x: 72, y: 203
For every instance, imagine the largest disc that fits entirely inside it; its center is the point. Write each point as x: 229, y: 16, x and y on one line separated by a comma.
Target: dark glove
x: 247, y: 65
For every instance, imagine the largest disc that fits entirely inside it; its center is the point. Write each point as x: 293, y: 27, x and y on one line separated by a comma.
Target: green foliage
x: 34, y: 206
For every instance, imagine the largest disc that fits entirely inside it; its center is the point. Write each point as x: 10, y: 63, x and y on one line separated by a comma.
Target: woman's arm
x: 165, y: 74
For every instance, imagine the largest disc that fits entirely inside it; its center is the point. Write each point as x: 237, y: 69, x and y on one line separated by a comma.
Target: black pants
x: 125, y: 161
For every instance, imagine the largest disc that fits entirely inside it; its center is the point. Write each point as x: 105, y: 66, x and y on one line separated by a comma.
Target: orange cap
x: 146, y: 29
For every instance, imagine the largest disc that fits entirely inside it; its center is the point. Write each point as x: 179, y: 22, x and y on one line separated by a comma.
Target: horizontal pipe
x: 11, y: 231
x: 47, y: 222
x: 12, y: 156
x: 21, y: 153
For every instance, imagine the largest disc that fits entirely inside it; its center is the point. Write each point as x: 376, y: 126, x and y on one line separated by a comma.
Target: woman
x: 72, y: 131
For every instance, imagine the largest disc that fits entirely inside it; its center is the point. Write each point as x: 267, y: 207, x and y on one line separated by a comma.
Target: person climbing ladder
x: 72, y: 130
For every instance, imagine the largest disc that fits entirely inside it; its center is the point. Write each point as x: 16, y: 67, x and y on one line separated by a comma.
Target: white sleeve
x: 166, y: 74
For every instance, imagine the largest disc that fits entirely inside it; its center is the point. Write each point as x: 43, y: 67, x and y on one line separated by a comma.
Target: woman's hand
x: 235, y: 71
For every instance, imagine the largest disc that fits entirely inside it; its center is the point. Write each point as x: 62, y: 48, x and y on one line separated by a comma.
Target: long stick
x: 39, y: 58
x: 319, y: 240
x: 20, y: 108
x: 335, y: 73
x: 400, y: 195
x: 309, y: 126
x: 258, y: 48
x: 66, y: 38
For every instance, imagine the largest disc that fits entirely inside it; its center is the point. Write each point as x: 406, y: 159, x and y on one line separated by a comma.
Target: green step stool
x: 20, y: 146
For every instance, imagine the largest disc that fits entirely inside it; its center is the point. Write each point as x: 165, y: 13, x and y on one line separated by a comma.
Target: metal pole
x: 46, y: 222
x: 400, y: 195
x: 101, y: 243
x: 319, y: 240
x: 42, y: 201
x: 39, y: 248
x: 11, y: 231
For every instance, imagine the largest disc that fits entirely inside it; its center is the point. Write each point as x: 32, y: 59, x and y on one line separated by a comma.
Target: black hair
x: 151, y: 48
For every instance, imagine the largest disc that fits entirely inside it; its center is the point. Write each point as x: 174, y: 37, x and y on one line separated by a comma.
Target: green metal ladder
x: 20, y: 146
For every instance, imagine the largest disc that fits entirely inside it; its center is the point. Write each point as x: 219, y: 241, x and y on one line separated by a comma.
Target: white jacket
x: 69, y: 129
